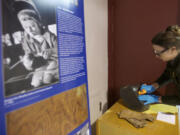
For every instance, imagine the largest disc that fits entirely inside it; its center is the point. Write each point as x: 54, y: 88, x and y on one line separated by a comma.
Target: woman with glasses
x: 166, y: 46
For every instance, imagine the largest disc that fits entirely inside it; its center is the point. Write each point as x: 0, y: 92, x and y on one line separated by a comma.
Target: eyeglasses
x: 159, y: 53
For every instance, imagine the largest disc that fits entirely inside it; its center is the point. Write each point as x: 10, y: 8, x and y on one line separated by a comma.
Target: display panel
x: 43, y: 67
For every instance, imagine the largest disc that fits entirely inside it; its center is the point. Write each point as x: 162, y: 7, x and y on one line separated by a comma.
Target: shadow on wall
x: 113, y: 96
x: 178, y: 14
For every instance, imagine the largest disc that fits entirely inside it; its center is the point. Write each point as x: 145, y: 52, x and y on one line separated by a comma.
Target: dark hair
x: 168, y: 38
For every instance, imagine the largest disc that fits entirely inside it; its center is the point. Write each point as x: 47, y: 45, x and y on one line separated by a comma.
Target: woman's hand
x: 27, y: 61
x: 149, y: 99
x: 147, y: 89
x: 47, y: 54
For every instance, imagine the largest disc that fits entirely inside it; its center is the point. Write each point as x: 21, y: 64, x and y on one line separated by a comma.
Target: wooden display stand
x: 110, y: 124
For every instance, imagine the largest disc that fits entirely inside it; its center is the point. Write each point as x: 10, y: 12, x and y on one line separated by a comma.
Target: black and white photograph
x: 29, y: 46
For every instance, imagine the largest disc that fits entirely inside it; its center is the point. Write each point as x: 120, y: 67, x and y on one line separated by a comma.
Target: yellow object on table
x: 110, y: 124
x: 155, y: 108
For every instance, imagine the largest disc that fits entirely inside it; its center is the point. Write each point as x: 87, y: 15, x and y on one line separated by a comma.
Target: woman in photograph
x: 39, y: 45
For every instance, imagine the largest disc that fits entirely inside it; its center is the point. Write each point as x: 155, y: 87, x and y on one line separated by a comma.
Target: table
x: 110, y: 124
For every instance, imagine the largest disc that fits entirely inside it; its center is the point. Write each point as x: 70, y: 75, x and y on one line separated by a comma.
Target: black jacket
x: 171, y: 74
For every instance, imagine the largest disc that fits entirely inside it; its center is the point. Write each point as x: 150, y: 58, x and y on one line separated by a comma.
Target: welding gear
x: 129, y: 95
x: 137, y: 119
x: 149, y: 99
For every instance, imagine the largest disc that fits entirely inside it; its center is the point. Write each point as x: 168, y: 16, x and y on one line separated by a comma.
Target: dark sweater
x: 171, y: 74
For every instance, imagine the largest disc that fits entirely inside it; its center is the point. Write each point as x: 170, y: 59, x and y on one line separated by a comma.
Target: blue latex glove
x: 149, y: 88
x: 149, y: 99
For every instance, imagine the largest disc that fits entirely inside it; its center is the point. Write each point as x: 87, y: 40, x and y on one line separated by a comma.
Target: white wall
x: 96, y: 26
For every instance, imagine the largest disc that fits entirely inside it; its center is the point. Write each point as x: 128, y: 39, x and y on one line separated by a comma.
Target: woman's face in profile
x: 165, y: 54
x: 30, y: 25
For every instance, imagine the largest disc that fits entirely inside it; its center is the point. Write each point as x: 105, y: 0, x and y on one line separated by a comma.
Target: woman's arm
x: 164, y: 79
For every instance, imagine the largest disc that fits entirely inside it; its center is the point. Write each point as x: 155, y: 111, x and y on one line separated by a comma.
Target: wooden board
x: 57, y: 115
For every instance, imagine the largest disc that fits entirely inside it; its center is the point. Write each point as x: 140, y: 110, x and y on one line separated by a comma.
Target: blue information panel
x: 43, y: 72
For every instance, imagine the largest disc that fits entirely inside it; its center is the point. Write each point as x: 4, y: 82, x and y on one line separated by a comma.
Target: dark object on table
x: 129, y: 95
